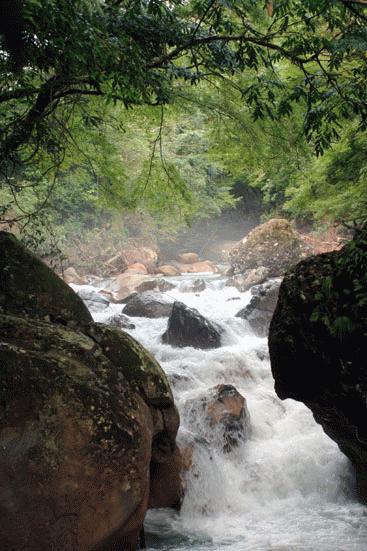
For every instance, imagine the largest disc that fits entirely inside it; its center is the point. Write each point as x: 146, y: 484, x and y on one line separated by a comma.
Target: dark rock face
x: 86, y: 413
x: 30, y: 288
x: 149, y: 305
x: 318, y: 346
x: 222, y: 416
x: 187, y: 327
x: 259, y: 310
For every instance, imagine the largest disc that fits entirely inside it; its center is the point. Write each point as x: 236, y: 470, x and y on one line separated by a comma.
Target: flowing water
x: 287, y: 487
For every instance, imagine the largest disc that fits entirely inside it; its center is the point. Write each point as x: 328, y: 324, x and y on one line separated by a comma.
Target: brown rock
x: 166, y: 488
x: 136, y: 268
x: 198, y: 267
x: 72, y: 276
x: 224, y: 413
x: 188, y: 258
x: 168, y: 270
x: 273, y: 245
x: 141, y: 255
x: 75, y: 438
x: 126, y: 284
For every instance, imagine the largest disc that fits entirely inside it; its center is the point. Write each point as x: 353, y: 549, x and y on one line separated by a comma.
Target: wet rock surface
x: 149, y: 305
x: 187, y: 327
x: 318, y: 346
x: 260, y: 309
x: 95, y: 302
x: 87, y: 412
x: 225, y: 416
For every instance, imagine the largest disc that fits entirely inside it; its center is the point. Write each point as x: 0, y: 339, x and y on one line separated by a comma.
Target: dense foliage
x: 275, y: 82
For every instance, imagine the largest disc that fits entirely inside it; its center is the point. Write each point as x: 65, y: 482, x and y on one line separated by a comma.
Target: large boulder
x: 30, y: 288
x: 260, y: 309
x: 318, y: 346
x: 70, y: 275
x: 220, y: 416
x: 87, y: 413
x: 273, y: 245
x: 149, y: 305
x: 72, y: 433
x: 120, y: 321
x: 187, y: 327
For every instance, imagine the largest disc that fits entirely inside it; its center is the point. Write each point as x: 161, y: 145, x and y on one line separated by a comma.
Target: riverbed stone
x: 149, y: 305
x: 187, y: 327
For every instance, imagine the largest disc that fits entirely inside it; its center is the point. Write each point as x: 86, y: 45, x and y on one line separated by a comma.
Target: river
x: 286, y: 487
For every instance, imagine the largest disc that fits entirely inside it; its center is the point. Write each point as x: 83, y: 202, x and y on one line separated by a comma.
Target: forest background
x: 137, y: 118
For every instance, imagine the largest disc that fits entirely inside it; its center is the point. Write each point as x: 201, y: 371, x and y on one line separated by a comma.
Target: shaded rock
x: 243, y: 282
x: 30, y: 288
x: 166, y: 487
x: 187, y: 327
x: 273, y: 245
x: 72, y: 276
x: 188, y: 258
x: 220, y: 416
x: 259, y: 310
x: 149, y: 305
x: 168, y: 270
x: 318, y: 346
x: 95, y: 301
x: 121, y: 321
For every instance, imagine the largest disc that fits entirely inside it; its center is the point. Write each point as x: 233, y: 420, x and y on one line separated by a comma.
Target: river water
x: 287, y: 487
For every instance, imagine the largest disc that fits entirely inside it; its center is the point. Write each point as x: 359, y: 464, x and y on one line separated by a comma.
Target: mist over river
x: 286, y: 486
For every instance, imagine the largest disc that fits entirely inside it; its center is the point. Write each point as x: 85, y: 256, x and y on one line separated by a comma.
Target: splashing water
x: 287, y: 487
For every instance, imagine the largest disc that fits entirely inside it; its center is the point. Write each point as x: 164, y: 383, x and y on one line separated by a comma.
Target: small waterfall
x: 287, y: 486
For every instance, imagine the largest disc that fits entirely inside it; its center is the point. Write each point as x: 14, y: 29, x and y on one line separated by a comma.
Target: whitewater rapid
x: 287, y: 487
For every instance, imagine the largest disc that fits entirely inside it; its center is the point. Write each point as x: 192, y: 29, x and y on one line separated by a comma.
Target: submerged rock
x: 273, y: 245
x: 221, y: 416
x: 318, y: 346
x: 260, y: 309
x: 187, y: 327
x: 149, y: 305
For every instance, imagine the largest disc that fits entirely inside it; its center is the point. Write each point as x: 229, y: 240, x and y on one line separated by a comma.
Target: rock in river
x: 187, y: 327
x: 318, y: 345
x: 149, y: 305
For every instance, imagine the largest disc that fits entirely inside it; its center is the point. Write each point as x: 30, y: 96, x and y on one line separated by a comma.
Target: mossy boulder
x: 87, y: 413
x: 75, y: 439
x: 273, y: 245
x: 318, y: 346
x: 29, y: 288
